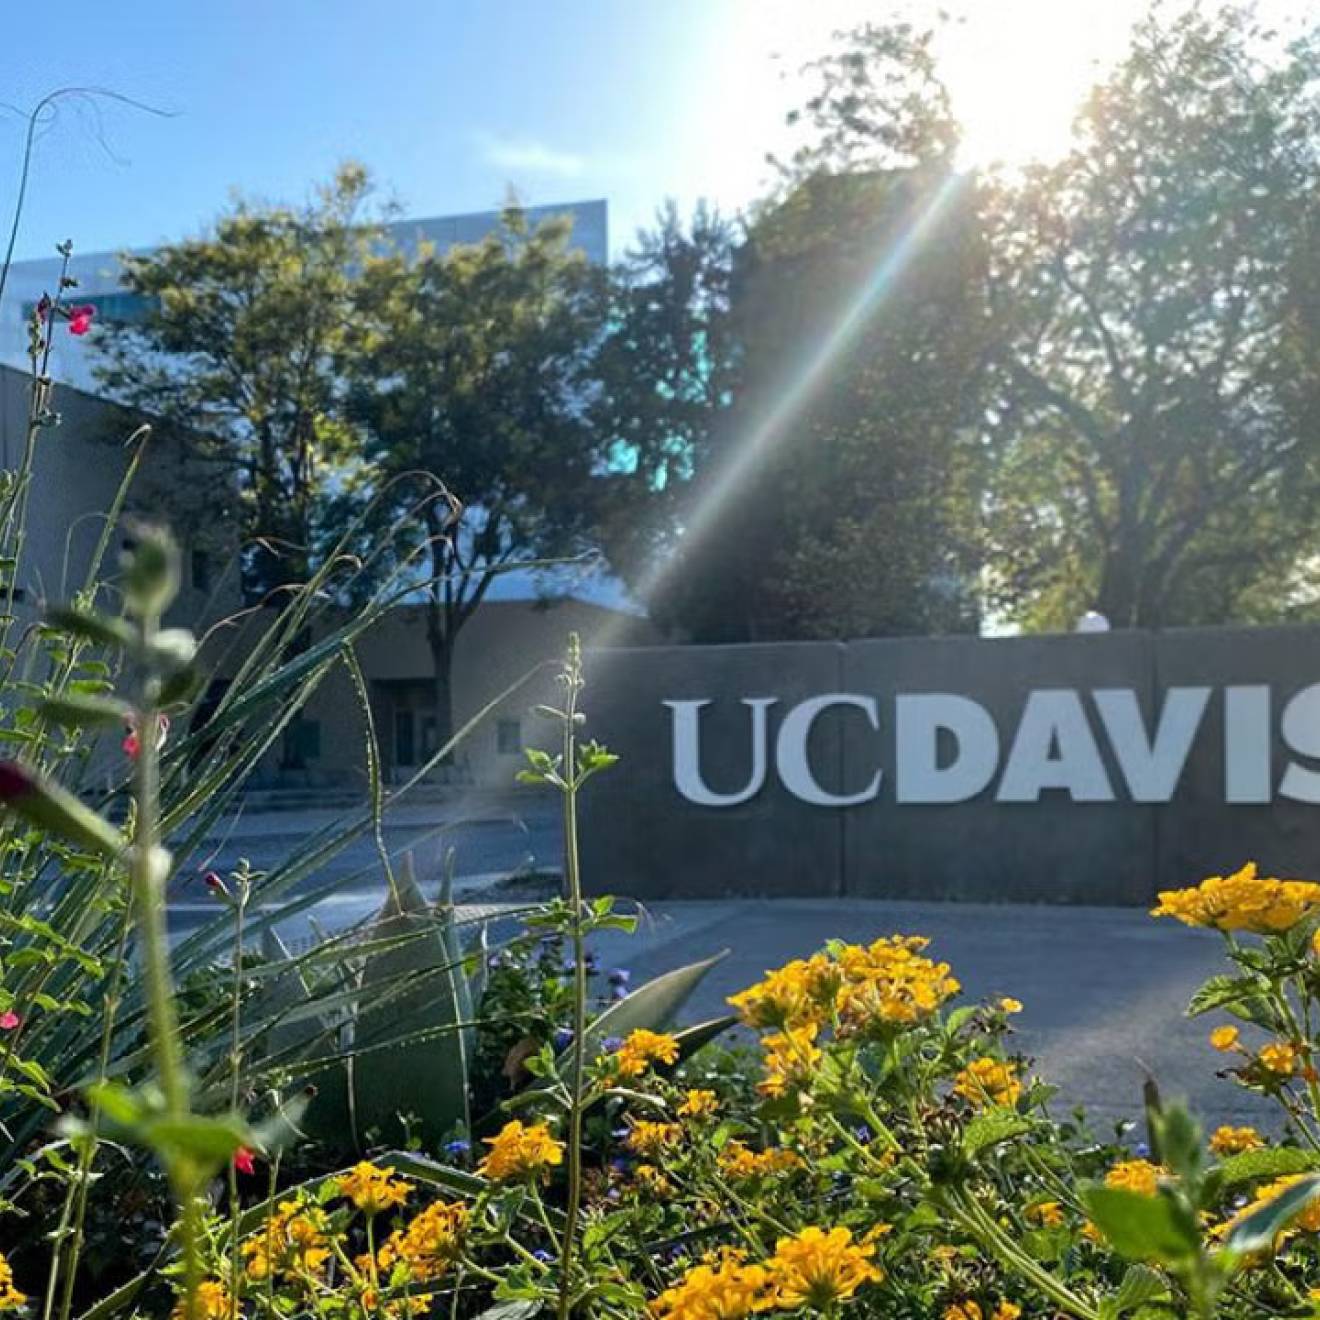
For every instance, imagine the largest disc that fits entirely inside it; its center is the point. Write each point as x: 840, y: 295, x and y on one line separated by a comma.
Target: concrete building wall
x: 1078, y: 769
x: 503, y: 642
x: 78, y: 467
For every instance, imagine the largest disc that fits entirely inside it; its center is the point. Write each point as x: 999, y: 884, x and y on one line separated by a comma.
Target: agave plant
x: 391, y: 1050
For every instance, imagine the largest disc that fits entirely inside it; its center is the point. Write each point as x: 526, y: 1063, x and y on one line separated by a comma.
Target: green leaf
x: 92, y: 627
x: 1274, y: 1163
x: 1141, y: 1228
x: 1256, y: 1231
x: 1140, y: 1285
x: 653, y: 1005
x: 79, y: 712
x: 209, y: 1141
x: 116, y: 1102
x: 50, y: 807
x: 516, y: 1310
x: 987, y: 1130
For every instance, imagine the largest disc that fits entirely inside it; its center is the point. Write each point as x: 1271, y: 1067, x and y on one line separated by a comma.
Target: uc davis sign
x: 1092, y: 768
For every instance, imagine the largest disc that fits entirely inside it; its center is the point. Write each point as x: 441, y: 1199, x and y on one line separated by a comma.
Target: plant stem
x: 573, y: 881
x: 149, y: 871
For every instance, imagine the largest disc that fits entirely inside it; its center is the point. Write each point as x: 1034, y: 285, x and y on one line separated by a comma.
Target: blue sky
x: 450, y: 102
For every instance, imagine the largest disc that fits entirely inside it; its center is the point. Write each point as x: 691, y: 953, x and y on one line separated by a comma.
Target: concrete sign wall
x: 1091, y: 768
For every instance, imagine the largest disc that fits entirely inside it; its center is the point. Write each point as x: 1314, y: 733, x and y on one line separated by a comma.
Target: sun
x: 1019, y: 70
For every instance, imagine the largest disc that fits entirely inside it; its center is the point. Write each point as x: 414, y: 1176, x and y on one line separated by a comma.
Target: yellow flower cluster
x: 643, y: 1048
x: 1233, y: 1141
x: 213, y: 1303
x: 1048, y: 1214
x: 887, y: 982
x: 739, y: 1161
x: 653, y: 1140
x: 372, y: 1189
x: 1278, y: 1057
x: 1242, y: 901
x: 698, y: 1104
x: 988, y: 1080
x: 817, y: 1268
x: 970, y: 1310
x: 722, y: 1290
x: 429, y: 1244
x: 521, y: 1152
x: 1139, y: 1176
x: 791, y: 1057
x: 10, y: 1298
x: 291, y: 1242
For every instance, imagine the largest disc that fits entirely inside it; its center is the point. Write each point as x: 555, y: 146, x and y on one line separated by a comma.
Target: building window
x: 201, y: 570
x: 508, y: 737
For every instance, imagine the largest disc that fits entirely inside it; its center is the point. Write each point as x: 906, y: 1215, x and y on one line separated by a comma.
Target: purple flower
x: 863, y: 1134
x: 619, y: 992
x: 457, y: 1147
x: 1143, y: 1150
x: 543, y: 1255
x: 611, y: 1044
x: 620, y: 976
x: 563, y: 1038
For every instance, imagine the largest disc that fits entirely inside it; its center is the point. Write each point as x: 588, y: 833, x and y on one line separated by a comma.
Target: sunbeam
x: 775, y: 424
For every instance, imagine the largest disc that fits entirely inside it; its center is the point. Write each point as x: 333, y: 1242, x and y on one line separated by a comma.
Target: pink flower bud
x: 10, y: 1020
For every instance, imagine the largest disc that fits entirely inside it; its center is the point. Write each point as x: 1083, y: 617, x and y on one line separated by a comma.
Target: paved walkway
x: 1103, y: 989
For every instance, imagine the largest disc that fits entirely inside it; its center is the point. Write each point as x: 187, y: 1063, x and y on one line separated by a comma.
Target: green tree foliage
x: 665, y: 378
x: 474, y: 366
x: 835, y: 504
x: 240, y: 349
x: 800, y: 402
x: 1154, y: 412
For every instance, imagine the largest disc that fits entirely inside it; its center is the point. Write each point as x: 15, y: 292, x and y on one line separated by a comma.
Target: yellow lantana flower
x: 1242, y: 901
x: 723, y: 1290
x: 373, y: 1189
x: 291, y: 1242
x: 653, y: 1140
x: 738, y: 1161
x: 10, y: 1298
x: 1234, y: 1140
x: 643, y: 1048
x: 791, y: 1057
x: 213, y: 1303
x: 698, y: 1104
x: 988, y: 1080
x: 1139, y: 1176
x: 1048, y: 1214
x: 521, y: 1152
x: 1224, y: 1038
x: 1009, y: 1005
x: 1278, y: 1057
x: 818, y: 1268
x: 430, y: 1243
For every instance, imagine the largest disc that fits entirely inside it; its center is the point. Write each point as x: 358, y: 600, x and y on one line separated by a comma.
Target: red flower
x: 9, y: 1020
x: 131, y: 746
x: 243, y: 1161
x: 15, y: 781
x: 80, y: 319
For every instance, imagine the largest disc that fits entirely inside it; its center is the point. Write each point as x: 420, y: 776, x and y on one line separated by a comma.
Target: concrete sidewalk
x: 1103, y: 989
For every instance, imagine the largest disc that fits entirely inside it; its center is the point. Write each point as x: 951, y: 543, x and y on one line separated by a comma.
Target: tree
x: 1154, y: 414
x: 474, y: 366
x: 796, y: 492
x: 666, y: 375
x: 241, y: 347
